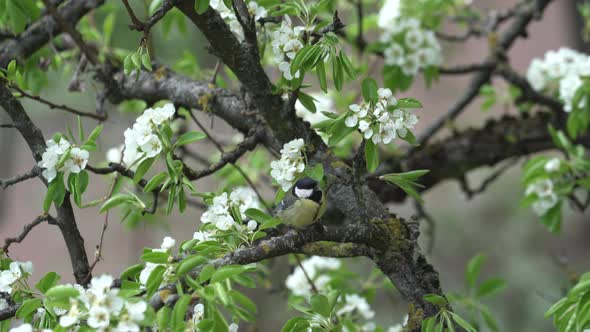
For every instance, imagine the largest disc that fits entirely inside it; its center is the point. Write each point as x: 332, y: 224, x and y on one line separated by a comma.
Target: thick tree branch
x: 65, y: 214
x: 453, y: 157
x: 41, y: 31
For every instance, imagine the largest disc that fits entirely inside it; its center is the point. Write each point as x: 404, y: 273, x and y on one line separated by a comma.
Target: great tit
x: 303, y: 205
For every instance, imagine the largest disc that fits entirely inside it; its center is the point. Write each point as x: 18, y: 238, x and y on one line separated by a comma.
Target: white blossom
x: 409, y: 46
x: 168, y: 243
x: 22, y: 328
x: 233, y: 327
x: 202, y: 236
x: 546, y: 197
x: 219, y: 213
x: 388, y: 13
x: 99, y: 317
x: 381, y: 122
x: 257, y: 10
x: 560, y: 72
x: 314, y: 266
x: 73, y: 315
x: 292, y: 163
x: 552, y: 165
x: 358, y: 304
x: 141, y: 140
x: 10, y: 276
x: 251, y: 226
x: 115, y: 154
x: 198, y: 313
x: 286, y: 42
x: 77, y: 161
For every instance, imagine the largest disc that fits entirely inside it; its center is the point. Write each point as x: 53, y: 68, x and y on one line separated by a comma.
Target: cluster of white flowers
x: 314, y: 266
x: 354, y: 303
x: 292, y: 163
x: 561, y: 71
x: 140, y: 140
x: 409, y: 46
x: 230, y: 18
x: 546, y: 197
x: 16, y: 271
x: 52, y: 163
x: 381, y: 122
x: 286, y: 42
x: 166, y: 246
x: 101, y: 307
x: 219, y: 214
x: 398, y: 327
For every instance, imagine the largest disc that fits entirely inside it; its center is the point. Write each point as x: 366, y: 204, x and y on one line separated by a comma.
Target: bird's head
x: 307, y: 188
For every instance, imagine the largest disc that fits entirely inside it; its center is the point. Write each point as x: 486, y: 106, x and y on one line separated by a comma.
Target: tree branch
x: 41, y: 31
x: 28, y: 227
x: 65, y: 220
x: 5, y: 183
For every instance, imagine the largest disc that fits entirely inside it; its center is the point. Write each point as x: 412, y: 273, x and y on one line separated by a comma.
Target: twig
x: 430, y: 230
x: 62, y: 107
x: 360, y: 39
x: 311, y: 283
x: 215, y: 72
x: 146, y: 26
x: 487, y: 181
x: 75, y: 34
x: 528, y: 93
x: 233, y: 156
x: 98, y: 253
x: 28, y: 228
x: 134, y: 18
x: 7, y: 125
x: 5, y: 183
x: 466, y: 69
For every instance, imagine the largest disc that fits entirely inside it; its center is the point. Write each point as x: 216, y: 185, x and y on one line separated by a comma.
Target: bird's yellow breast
x: 302, y: 213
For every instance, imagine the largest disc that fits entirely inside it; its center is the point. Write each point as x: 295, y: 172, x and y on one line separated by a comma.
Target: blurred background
x: 535, y: 264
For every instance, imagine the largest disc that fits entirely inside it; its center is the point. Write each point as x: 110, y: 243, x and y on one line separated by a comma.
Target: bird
x: 303, y: 205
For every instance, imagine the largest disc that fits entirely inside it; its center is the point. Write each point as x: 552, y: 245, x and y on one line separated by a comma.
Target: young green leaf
x: 307, y: 101
x: 115, y: 200
x: 408, y: 103
x: 143, y: 167
x: 189, y: 137
x: 371, y: 155
x: 369, y: 89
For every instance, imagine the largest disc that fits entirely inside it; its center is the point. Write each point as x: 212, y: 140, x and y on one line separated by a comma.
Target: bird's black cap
x: 306, y: 183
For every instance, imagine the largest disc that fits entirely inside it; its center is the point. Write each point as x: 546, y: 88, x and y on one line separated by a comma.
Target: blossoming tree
x: 280, y: 78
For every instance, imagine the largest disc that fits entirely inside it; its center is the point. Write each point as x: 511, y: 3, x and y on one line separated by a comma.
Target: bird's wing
x: 287, y: 201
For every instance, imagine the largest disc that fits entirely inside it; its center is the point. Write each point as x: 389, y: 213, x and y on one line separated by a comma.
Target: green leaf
x: 464, y: 324
x: 320, y: 305
x: 80, y: 129
x: 157, y: 257
x: 132, y: 272
x: 143, y: 168
x: 408, y: 103
x: 406, y: 182
x: 348, y: 68
x: 490, y: 287
x: 146, y: 61
x: 28, y: 307
x: 371, y: 156
x: 155, y: 182
x: 243, y: 300
x: 316, y: 172
x: 180, y: 309
x: 227, y: 272
x: 136, y: 59
x: 206, y: 273
x: 259, y: 216
x: 61, y: 293
x: 48, y: 281
x: 369, y: 89
x: 320, y: 70
x: 473, y: 268
x: 94, y: 134
x: 154, y: 280
x: 338, y: 74
x: 189, y: 263
x: 107, y: 28
x: 436, y: 299
x: 201, y: 6
x: 273, y: 222
x: 82, y: 182
x: 163, y: 318
x: 189, y: 137
x: 49, y: 195
x: 115, y: 200
x: 307, y: 101
x: 339, y: 131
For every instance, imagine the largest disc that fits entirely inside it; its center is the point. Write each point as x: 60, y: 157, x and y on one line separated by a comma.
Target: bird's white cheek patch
x: 303, y: 193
